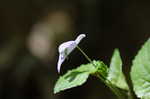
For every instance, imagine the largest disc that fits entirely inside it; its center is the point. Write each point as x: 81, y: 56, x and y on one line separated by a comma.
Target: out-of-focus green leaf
x: 78, y: 76
x: 115, y: 74
x: 147, y: 96
x: 140, y: 72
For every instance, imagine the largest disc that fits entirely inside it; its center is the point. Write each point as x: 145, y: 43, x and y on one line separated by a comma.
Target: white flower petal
x: 66, y: 48
x: 60, y: 61
x: 79, y: 38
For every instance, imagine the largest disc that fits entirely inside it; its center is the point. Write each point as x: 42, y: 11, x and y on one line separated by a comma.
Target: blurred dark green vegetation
x: 31, y: 31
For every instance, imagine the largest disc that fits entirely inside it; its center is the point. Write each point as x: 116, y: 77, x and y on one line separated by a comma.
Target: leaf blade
x: 76, y: 77
x: 115, y: 74
x: 140, y: 72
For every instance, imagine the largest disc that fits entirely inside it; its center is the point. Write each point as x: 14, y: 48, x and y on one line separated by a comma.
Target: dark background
x: 31, y: 31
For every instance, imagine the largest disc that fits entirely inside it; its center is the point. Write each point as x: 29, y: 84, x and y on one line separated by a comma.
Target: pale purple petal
x: 69, y: 46
x: 60, y: 61
x: 79, y: 38
x: 66, y: 48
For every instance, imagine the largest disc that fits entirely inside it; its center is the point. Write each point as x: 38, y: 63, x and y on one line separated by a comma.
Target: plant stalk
x: 84, y: 54
x: 103, y: 78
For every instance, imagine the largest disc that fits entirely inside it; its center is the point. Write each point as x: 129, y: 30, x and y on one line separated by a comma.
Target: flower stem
x: 109, y: 85
x: 103, y: 78
x: 84, y: 54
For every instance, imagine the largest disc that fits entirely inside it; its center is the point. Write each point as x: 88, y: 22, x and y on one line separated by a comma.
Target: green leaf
x: 115, y: 74
x: 77, y: 77
x: 147, y: 96
x: 140, y: 72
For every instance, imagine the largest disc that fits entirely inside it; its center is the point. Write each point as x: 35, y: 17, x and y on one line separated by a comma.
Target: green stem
x: 102, y: 77
x: 112, y: 88
x: 84, y: 54
x: 115, y: 90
